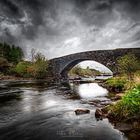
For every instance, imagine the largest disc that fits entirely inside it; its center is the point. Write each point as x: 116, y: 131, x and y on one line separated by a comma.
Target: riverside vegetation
x: 125, y: 113
x: 77, y: 71
x: 13, y: 64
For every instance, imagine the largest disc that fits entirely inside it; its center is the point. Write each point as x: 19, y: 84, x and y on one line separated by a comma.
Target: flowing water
x: 37, y: 112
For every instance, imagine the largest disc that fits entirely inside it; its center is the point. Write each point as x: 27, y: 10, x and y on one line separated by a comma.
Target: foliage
x: 129, y: 105
x: 128, y: 64
x: 21, y: 68
x: 40, y: 66
x: 11, y: 53
x: 77, y: 70
x: 38, y: 69
x: 116, y: 84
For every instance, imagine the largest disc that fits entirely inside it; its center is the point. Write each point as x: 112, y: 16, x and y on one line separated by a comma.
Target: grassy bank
x: 125, y: 113
x: 122, y: 83
x: 128, y: 108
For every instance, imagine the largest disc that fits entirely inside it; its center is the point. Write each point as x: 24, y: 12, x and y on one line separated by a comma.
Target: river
x: 34, y: 111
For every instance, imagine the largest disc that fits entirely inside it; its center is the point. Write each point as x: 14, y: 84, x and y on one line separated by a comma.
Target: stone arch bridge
x: 59, y: 67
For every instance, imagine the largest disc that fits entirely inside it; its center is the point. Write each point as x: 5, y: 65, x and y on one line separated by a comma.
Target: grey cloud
x: 10, y: 9
x: 68, y: 26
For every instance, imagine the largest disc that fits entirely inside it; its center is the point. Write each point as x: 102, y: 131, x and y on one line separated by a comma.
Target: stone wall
x: 59, y: 67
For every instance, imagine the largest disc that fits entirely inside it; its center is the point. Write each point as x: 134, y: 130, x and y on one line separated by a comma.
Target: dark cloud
x: 10, y: 9
x: 53, y: 24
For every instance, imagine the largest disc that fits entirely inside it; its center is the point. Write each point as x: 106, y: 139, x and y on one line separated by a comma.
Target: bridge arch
x: 58, y: 67
x: 73, y: 63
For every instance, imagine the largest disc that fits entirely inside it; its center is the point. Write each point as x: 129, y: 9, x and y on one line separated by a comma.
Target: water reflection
x: 48, y: 115
x: 89, y: 90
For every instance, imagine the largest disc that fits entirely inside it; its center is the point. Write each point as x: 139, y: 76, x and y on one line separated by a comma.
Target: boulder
x: 82, y: 111
x: 101, y: 113
x: 98, y: 113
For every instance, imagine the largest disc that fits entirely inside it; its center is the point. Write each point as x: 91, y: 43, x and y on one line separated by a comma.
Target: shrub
x: 129, y: 105
x: 128, y: 64
x: 40, y: 69
x: 116, y: 84
x: 21, y: 69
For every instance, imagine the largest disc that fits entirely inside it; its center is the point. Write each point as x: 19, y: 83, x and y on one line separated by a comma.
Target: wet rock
x: 105, y: 110
x: 105, y: 103
x: 98, y: 113
x: 84, y: 101
x: 94, y: 102
x: 123, y: 127
x: 100, y: 103
x: 82, y: 111
x: 74, y: 97
x: 101, y: 113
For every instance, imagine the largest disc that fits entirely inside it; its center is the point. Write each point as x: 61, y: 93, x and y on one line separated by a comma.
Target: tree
x: 40, y: 66
x: 128, y: 64
x: 12, y: 53
x: 15, y: 54
x: 32, y: 54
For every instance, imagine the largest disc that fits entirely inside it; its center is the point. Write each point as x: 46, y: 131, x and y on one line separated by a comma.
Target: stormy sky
x: 60, y: 27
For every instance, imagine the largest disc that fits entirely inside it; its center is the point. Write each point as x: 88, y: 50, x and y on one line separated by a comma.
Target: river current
x: 37, y: 112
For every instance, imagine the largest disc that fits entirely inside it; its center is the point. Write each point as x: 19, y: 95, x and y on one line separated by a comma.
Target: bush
x: 40, y: 69
x: 12, y: 53
x: 21, y: 69
x: 116, y: 84
x: 128, y: 64
x: 129, y: 105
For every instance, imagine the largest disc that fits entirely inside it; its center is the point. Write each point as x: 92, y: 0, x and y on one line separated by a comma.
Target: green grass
x: 116, y: 84
x: 128, y: 106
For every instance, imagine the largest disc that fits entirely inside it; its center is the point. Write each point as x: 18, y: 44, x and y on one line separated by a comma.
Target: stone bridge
x: 59, y: 67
